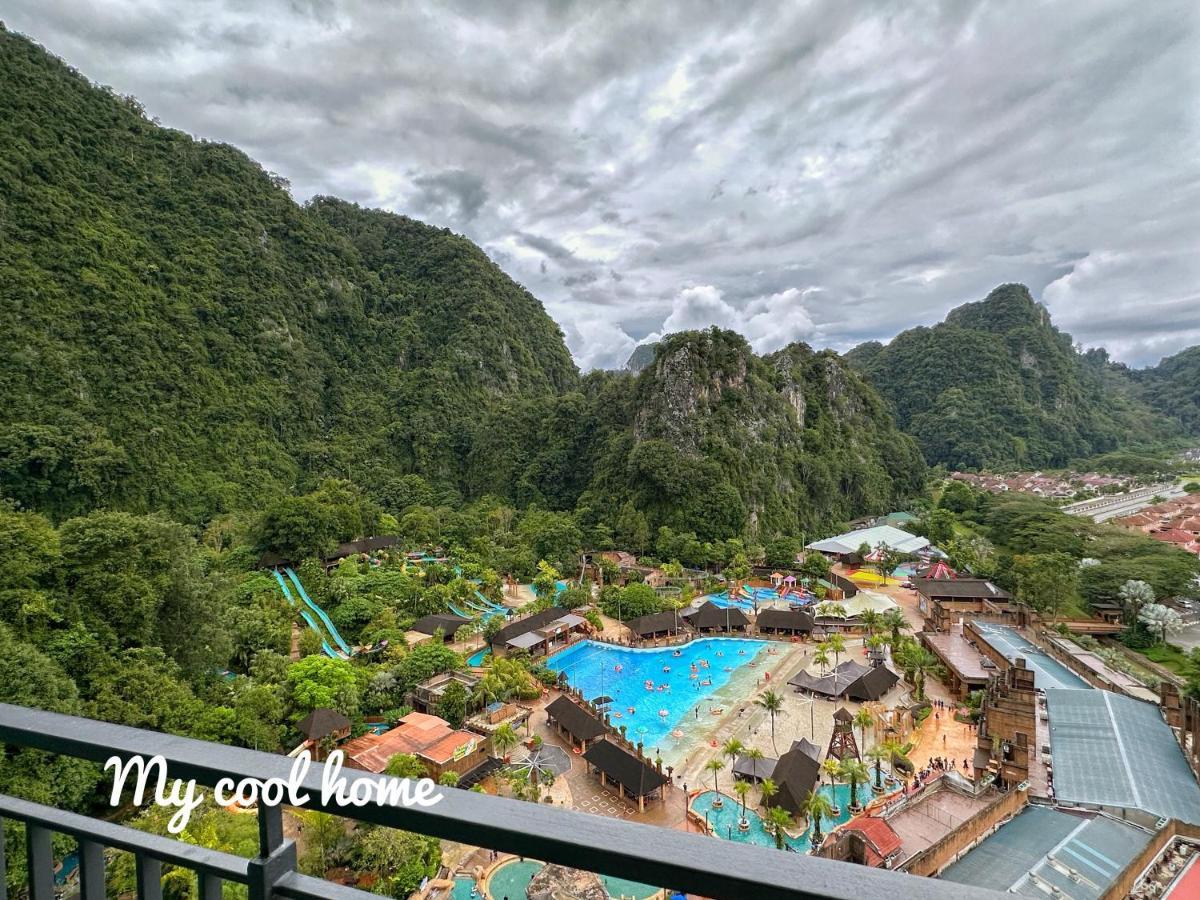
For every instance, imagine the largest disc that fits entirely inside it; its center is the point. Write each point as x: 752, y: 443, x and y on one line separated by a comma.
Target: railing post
x: 40, y: 858
x: 276, y: 856
x: 91, y: 871
x: 149, y: 877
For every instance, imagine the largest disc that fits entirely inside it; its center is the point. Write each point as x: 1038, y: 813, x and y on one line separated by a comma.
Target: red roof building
x: 429, y: 738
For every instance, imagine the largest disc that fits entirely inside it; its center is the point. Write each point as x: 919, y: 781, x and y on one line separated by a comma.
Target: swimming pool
x: 476, y: 658
x: 465, y: 889
x: 765, y: 598
x: 725, y: 818
x: 510, y: 881
x: 661, y: 718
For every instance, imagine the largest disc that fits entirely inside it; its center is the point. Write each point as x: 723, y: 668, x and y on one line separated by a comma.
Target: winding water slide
x: 308, y: 619
x: 320, y: 613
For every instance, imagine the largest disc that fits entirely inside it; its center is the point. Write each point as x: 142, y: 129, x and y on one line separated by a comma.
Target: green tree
x: 406, y: 765
x: 779, y: 820
x: 817, y: 808
x: 1047, y: 582
x: 453, y: 705
x: 399, y: 860
x: 772, y: 702
x: 321, y: 682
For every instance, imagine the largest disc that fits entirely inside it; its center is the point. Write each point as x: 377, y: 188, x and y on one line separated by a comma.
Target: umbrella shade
x: 553, y: 760
x: 602, y: 699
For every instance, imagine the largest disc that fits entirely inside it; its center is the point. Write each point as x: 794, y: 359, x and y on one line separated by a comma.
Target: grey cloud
x: 884, y: 162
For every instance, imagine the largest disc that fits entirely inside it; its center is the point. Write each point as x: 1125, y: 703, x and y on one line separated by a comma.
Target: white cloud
x: 896, y: 157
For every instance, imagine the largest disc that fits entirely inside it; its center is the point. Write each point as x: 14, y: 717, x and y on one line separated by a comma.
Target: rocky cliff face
x: 781, y: 443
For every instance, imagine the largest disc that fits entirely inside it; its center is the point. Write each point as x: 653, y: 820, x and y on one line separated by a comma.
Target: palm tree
x: 821, y: 657
x: 879, y: 753
x: 772, y: 702
x: 895, y: 622
x: 837, y: 644
x: 816, y: 808
x: 1160, y: 619
x: 733, y: 749
x: 504, y: 740
x: 917, y: 663
x: 864, y: 720
x: 855, y: 773
x: 833, y: 768
x: 1134, y: 595
x: 742, y: 788
x: 767, y: 790
x: 870, y: 618
x: 779, y: 819
x: 715, y: 766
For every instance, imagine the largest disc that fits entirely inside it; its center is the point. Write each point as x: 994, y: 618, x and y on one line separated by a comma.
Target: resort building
x: 574, y: 723
x: 427, y: 695
x: 966, y: 668
x: 324, y: 726
x: 784, y: 621
x: 1117, y: 755
x: 710, y: 617
x: 944, y: 602
x: 1046, y: 852
x: 1008, y: 731
x: 439, y: 747
x: 659, y: 624
x: 634, y: 777
x: 445, y: 623
x: 847, y: 545
x: 538, y: 633
x: 865, y: 841
x: 851, y: 680
x: 795, y: 774
x: 1095, y: 671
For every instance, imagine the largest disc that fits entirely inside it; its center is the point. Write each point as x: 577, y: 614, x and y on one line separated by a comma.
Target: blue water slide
x: 320, y: 613
x: 490, y: 605
x: 307, y: 616
x: 458, y: 612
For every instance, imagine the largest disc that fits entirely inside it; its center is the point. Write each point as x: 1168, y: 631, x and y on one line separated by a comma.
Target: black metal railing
x: 689, y: 862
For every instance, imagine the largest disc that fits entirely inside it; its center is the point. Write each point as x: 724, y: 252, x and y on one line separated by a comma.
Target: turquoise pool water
x: 464, y: 889
x: 622, y: 673
x: 725, y: 819
x: 766, y: 597
x: 511, y: 879
x: 476, y: 658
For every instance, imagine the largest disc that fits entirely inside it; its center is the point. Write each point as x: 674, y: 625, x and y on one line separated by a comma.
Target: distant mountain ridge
x: 996, y: 384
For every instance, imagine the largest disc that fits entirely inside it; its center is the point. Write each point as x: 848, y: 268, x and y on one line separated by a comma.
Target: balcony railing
x: 706, y: 866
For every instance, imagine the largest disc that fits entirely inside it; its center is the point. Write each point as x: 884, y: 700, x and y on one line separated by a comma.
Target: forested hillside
x: 1173, y: 388
x: 996, y: 384
x: 721, y: 441
x: 178, y: 335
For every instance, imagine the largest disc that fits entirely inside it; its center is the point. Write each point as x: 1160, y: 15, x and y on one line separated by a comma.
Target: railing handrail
x: 650, y: 854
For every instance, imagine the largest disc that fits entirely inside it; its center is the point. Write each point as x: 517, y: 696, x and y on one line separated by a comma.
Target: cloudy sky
x: 824, y: 171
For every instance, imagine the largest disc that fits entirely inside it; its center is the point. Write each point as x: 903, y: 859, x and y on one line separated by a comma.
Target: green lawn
x: 1170, y: 657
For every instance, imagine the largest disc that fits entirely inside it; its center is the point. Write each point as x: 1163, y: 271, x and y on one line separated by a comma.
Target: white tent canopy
x: 845, y: 544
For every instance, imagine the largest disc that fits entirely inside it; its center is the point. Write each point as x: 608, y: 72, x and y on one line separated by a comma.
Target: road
x: 1101, y: 509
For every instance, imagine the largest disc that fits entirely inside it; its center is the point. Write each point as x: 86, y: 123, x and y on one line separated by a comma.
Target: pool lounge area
x: 724, y: 820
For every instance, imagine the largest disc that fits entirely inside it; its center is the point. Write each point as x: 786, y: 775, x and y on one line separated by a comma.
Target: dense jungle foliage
x: 177, y: 335
x: 997, y: 385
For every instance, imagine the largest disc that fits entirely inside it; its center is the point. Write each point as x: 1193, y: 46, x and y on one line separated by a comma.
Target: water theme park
x: 867, y: 705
